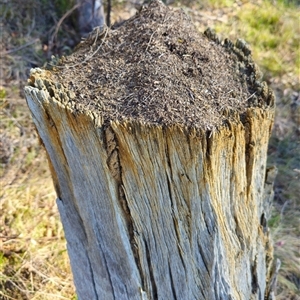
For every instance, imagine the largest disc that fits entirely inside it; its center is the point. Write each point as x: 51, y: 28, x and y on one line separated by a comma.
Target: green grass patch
x: 3, y: 261
x: 272, y: 30
x: 2, y: 93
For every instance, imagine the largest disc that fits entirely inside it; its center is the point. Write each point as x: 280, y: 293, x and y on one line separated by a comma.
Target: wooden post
x: 159, y: 210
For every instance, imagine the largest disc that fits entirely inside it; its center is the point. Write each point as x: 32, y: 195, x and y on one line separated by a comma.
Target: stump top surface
x: 157, y: 68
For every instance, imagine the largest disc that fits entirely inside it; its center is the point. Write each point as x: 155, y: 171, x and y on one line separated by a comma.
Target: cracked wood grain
x: 152, y: 212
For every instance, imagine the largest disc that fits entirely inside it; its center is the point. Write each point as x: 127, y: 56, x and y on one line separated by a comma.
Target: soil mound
x: 157, y: 68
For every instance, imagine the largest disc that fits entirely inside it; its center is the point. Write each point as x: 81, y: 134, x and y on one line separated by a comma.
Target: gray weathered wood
x: 90, y: 15
x: 157, y: 213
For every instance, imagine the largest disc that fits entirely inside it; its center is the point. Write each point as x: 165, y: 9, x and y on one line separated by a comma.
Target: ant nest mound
x: 156, y: 68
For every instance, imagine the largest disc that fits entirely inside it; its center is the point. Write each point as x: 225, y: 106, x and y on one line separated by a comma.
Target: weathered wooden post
x: 157, y: 140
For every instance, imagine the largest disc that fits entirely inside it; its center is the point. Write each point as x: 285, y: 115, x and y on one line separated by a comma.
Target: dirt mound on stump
x: 157, y: 68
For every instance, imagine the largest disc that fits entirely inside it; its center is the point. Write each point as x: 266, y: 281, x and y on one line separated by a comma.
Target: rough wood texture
x: 153, y: 212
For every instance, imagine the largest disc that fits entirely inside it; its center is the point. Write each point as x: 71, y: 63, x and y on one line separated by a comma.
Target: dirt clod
x: 157, y: 68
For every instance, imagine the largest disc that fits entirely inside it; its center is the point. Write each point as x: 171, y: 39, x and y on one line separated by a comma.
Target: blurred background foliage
x: 33, y: 259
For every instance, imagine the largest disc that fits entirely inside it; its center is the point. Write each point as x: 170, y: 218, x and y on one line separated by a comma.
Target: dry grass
x: 33, y: 259
x: 285, y: 153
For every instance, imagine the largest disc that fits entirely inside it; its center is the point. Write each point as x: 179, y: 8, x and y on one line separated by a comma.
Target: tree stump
x: 157, y: 138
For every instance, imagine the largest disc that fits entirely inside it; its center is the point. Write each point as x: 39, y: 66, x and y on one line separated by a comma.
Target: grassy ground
x: 33, y: 259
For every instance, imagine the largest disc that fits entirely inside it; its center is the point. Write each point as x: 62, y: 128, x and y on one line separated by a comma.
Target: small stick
x: 19, y: 48
x: 60, y: 22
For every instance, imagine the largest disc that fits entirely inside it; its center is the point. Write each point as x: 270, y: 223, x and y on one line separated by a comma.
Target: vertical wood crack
x: 113, y: 162
x: 172, y: 284
x: 151, y: 274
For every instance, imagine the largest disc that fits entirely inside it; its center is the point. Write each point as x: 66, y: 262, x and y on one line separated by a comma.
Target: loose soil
x: 157, y: 68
